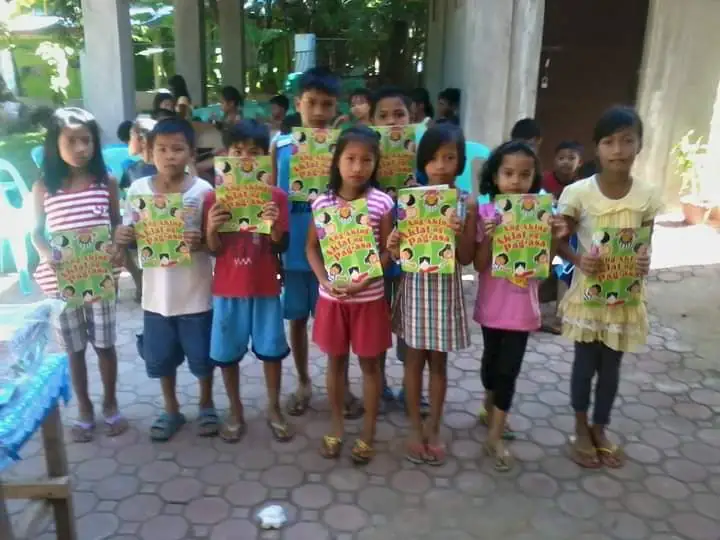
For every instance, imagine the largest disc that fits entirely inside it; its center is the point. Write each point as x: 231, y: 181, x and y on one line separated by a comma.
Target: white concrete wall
x: 490, y: 49
x: 679, y: 86
x: 188, y: 47
x: 108, y: 71
x: 232, y: 41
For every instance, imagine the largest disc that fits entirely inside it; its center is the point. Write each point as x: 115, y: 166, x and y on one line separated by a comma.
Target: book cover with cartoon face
x: 618, y: 283
x: 84, y: 270
x: 347, y: 242
x: 243, y: 188
x: 521, y: 244
x: 397, y: 158
x: 310, y: 162
x: 427, y: 242
x: 160, y: 221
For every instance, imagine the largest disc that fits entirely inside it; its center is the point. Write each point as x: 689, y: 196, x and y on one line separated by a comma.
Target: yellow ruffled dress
x: 622, y: 328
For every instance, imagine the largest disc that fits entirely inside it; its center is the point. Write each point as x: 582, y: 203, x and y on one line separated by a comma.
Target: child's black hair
x: 178, y: 87
x: 233, y: 95
x: 247, y: 130
x: 437, y: 136
x: 172, y: 126
x: 451, y: 95
x: 421, y: 95
x: 320, y: 79
x: 360, y: 92
x: 526, y: 129
x: 55, y: 170
x: 492, y: 166
x: 162, y: 114
x: 573, y: 146
x: 123, y: 131
x: 616, y: 118
x: 361, y: 134
x: 386, y: 92
x: 159, y: 98
x: 281, y: 101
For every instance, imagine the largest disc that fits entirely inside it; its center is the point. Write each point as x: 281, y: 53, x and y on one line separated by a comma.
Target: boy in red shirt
x: 568, y: 156
x: 246, y: 291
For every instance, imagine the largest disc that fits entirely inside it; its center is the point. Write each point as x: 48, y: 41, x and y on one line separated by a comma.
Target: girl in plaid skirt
x: 429, y: 310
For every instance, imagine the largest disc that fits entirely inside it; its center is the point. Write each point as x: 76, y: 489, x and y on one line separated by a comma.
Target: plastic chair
x: 205, y: 114
x: 37, y: 154
x: 17, y: 225
x: 474, y: 151
x: 116, y: 158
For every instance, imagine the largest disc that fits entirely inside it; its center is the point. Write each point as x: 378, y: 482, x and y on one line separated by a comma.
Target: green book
x: 428, y: 242
x: 347, y: 241
x: 310, y: 164
x: 619, y: 282
x: 244, y: 191
x: 521, y: 245
x: 84, y: 271
x: 159, y: 226
x: 397, y: 159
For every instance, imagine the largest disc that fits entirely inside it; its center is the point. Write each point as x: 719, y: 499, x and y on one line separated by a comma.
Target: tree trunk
x: 394, y: 62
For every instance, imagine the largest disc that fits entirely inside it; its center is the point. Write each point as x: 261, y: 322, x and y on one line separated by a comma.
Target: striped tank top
x: 379, y: 204
x: 65, y: 211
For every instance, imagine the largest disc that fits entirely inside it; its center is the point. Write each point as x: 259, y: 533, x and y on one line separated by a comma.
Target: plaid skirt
x: 429, y: 312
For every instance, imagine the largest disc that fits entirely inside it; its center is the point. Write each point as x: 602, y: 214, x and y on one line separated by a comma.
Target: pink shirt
x: 379, y: 204
x: 501, y: 304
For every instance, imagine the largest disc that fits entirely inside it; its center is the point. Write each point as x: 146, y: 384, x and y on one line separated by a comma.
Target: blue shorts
x: 299, y: 295
x: 167, y: 341
x: 237, y: 321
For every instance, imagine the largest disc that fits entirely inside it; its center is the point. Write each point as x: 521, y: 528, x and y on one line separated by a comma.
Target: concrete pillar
x: 232, y: 42
x: 679, y: 89
x: 490, y: 49
x: 190, y: 47
x: 108, y: 71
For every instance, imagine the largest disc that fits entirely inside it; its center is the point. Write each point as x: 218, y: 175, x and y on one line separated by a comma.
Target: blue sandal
x: 166, y: 426
x: 208, y: 422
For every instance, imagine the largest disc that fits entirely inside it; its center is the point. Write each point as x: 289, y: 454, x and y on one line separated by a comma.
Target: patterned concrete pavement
x: 192, y: 488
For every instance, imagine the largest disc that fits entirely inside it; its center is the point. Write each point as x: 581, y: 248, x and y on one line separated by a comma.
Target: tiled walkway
x: 192, y: 488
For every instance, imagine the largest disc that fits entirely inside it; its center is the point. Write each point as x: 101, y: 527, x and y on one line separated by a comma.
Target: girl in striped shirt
x: 429, y: 310
x: 75, y: 193
x: 354, y: 315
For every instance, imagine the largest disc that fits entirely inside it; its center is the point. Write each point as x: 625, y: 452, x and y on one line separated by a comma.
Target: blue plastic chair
x: 116, y: 160
x: 37, y: 154
x: 17, y: 225
x: 206, y: 114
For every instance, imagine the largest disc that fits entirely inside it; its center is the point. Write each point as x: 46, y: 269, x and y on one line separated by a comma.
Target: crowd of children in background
x: 213, y: 316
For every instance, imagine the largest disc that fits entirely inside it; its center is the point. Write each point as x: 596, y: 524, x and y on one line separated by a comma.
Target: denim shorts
x: 167, y: 341
x: 300, y: 294
x: 238, y: 322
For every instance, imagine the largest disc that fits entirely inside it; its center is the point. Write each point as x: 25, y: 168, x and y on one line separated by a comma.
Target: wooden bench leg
x: 5, y: 525
x: 56, y: 460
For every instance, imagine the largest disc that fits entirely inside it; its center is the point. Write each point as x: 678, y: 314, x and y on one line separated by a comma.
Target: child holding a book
x: 75, y: 192
x: 176, y: 299
x: 429, y: 311
x: 507, y: 309
x: 391, y: 107
x: 246, y: 290
x: 316, y: 104
x: 602, y: 334
x: 353, y: 314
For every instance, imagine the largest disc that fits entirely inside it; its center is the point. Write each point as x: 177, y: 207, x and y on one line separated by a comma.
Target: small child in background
x: 76, y: 192
x: 123, y: 131
x: 139, y: 145
x: 355, y: 315
x: 528, y: 131
x: 448, y: 108
x: 176, y: 300
x: 246, y: 291
x: 231, y: 103
x: 421, y: 108
x: 610, y: 199
x: 506, y: 310
x: 279, y: 106
x: 359, y: 102
x: 568, y: 158
x: 429, y: 311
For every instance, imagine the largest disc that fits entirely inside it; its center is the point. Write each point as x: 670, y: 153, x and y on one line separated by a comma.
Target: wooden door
x: 591, y: 58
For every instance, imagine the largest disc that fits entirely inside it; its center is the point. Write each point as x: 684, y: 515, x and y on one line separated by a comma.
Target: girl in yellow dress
x: 602, y: 334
